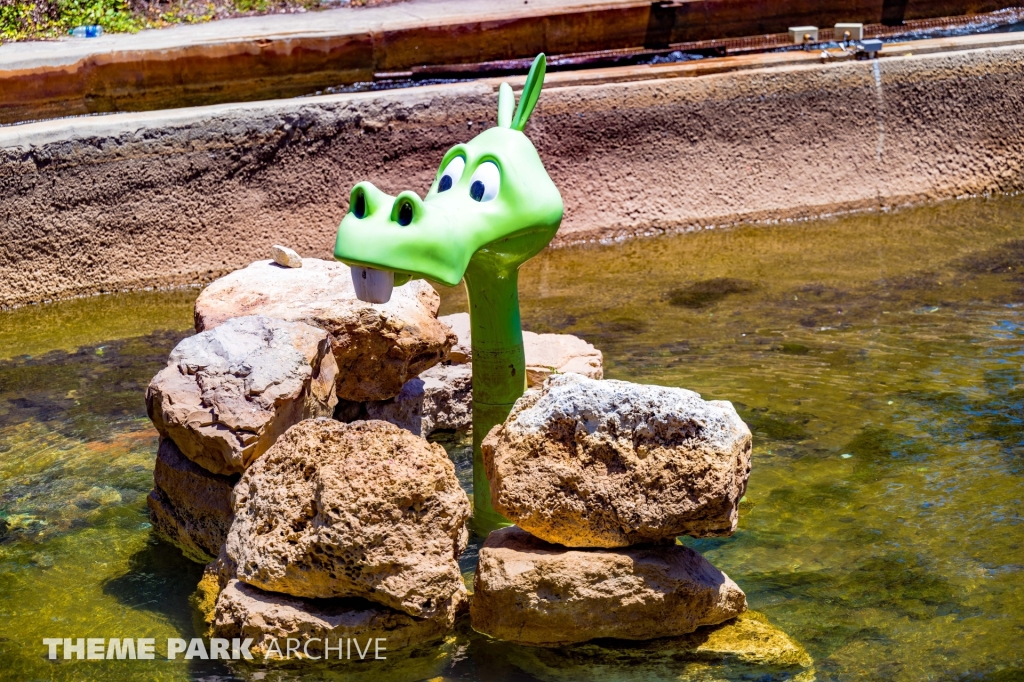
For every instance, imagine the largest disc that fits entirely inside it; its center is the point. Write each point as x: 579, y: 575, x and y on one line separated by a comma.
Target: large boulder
x: 378, y: 347
x: 529, y: 591
x: 587, y: 463
x: 228, y: 393
x: 546, y: 354
x: 353, y: 510
x: 441, y: 398
x: 188, y: 505
x: 245, y: 611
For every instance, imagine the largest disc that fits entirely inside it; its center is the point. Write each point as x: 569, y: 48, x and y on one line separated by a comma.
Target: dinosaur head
x: 491, y: 195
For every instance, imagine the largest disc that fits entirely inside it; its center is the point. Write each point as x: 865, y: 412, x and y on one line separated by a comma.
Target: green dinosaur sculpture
x: 491, y: 208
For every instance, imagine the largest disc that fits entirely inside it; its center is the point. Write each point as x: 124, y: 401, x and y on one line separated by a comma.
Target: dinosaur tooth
x: 373, y: 286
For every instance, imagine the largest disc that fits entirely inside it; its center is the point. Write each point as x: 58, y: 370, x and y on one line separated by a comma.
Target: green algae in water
x: 877, y: 359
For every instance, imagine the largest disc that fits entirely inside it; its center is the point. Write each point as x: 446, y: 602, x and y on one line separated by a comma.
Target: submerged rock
x: 546, y: 354
x: 587, y: 463
x: 529, y: 591
x: 228, y: 393
x: 377, y: 347
x: 439, y: 398
x: 246, y: 611
x: 746, y: 647
x: 189, y: 506
x: 353, y: 510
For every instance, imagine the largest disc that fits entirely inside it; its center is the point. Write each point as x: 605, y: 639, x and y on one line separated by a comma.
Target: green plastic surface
x: 453, y: 236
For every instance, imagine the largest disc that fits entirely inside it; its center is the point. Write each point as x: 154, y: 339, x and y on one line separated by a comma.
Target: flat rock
x: 746, y: 647
x: 587, y: 463
x: 245, y: 611
x: 439, y: 398
x: 189, y: 506
x: 353, y: 510
x: 528, y: 591
x: 546, y: 354
x: 228, y: 393
x: 378, y: 347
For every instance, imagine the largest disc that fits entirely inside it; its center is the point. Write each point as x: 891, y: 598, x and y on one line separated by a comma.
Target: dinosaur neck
x: 499, y: 364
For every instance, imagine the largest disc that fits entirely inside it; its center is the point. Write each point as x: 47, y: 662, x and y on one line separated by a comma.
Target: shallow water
x: 876, y: 357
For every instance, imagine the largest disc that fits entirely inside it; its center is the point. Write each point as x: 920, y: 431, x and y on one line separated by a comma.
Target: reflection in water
x: 877, y: 359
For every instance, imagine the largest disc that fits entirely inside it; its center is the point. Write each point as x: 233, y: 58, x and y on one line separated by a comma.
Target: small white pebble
x: 285, y: 257
x: 845, y: 456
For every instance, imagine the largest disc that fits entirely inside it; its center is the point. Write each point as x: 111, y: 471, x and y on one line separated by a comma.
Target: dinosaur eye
x: 452, y: 173
x: 484, y: 184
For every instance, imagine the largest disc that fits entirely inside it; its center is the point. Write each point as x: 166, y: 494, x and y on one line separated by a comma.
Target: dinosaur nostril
x: 359, y: 208
x: 405, y: 214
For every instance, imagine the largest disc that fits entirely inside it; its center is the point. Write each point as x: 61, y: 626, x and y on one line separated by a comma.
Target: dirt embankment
x: 170, y: 198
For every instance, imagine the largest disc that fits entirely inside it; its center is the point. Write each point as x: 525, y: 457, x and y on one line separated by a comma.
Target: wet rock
x: 353, y: 510
x: 546, y: 354
x: 246, y: 611
x: 377, y: 347
x: 587, y: 463
x: 439, y: 398
x: 228, y: 393
x: 746, y: 647
x: 529, y: 591
x: 189, y: 506
x: 285, y: 257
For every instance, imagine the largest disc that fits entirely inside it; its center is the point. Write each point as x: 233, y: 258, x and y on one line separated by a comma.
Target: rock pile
x: 365, y: 518
x: 587, y: 468
x: 378, y: 347
x: 266, y: 356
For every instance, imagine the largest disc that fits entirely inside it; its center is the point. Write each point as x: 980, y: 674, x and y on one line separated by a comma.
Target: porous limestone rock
x: 188, y: 505
x: 228, y: 393
x: 246, y: 611
x: 353, y: 510
x: 285, y: 257
x: 546, y: 354
x: 378, y: 347
x: 587, y: 463
x: 529, y: 591
x: 439, y: 398
x: 746, y: 647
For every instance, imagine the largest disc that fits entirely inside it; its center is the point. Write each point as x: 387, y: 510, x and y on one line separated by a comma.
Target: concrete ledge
x: 283, y: 56
x: 169, y: 198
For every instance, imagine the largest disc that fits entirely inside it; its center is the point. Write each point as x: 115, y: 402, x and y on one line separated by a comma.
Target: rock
x: 246, y: 611
x: 439, y: 398
x: 587, y: 463
x: 528, y: 591
x: 285, y: 257
x: 377, y: 347
x: 462, y: 351
x: 353, y: 510
x: 546, y: 354
x: 228, y: 393
x: 746, y: 647
x: 189, y: 506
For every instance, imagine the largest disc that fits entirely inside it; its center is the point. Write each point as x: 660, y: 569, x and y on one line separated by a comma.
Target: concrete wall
x: 168, y: 198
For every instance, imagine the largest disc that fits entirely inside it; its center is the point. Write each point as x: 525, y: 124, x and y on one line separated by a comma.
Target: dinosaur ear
x: 531, y: 92
x: 506, y: 104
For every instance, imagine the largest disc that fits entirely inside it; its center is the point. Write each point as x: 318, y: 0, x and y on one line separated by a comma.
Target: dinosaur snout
x: 387, y: 240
